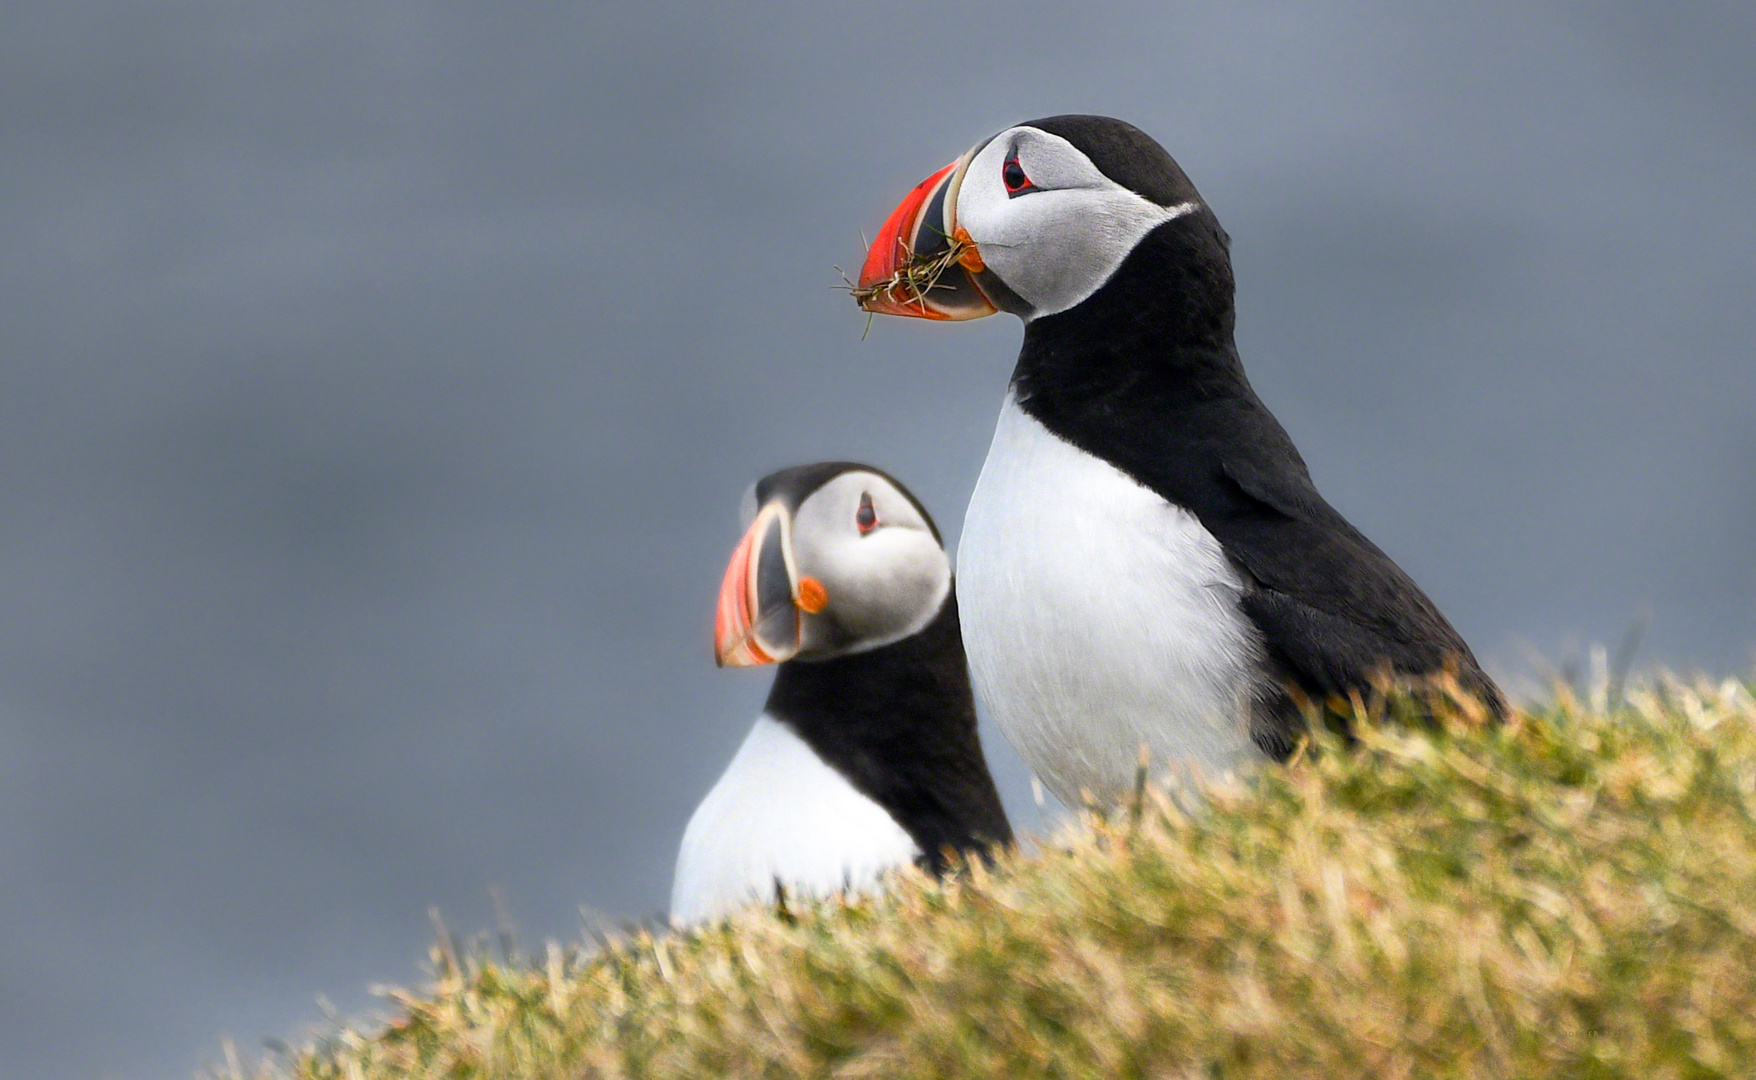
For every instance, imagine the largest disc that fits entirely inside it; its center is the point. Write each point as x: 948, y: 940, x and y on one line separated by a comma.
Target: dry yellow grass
x: 1571, y: 895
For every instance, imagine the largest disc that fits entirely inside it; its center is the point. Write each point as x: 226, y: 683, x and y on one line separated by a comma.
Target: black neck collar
x: 1160, y: 330
x: 899, y: 722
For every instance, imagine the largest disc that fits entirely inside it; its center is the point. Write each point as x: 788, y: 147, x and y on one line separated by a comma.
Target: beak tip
x: 748, y: 595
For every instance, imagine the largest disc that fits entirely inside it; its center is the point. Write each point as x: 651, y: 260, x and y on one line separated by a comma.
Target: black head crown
x: 1125, y: 154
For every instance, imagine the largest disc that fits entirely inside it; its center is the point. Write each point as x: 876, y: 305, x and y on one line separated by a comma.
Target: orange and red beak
x: 763, y: 600
x: 918, y: 234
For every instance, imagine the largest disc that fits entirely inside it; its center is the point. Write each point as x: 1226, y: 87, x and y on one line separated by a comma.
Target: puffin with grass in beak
x: 1145, y: 562
x: 865, y: 757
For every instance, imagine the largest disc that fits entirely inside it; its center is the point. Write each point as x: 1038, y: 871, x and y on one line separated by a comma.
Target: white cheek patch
x: 891, y: 585
x: 1057, y: 245
x: 882, y: 587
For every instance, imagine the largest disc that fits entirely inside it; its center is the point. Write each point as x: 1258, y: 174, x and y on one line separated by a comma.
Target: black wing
x: 1334, y: 610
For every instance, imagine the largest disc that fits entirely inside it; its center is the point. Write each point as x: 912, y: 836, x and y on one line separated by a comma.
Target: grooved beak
x: 921, y: 264
x: 759, y: 620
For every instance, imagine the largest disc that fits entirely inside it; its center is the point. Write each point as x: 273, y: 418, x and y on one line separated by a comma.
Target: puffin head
x: 1031, y: 221
x: 836, y: 558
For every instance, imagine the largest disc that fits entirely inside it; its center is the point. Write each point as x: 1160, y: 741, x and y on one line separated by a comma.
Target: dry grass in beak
x: 911, y: 282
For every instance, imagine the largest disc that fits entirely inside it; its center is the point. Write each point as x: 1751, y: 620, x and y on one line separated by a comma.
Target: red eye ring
x: 1012, y: 175
x: 865, y: 518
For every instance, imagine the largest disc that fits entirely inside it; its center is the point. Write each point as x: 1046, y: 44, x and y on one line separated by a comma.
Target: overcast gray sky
x: 379, y: 383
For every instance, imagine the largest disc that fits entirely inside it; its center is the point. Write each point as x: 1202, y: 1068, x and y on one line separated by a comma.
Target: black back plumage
x: 899, y: 722
x: 1145, y: 374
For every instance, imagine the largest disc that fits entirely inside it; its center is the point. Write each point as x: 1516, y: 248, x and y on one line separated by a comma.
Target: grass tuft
x: 1570, y: 894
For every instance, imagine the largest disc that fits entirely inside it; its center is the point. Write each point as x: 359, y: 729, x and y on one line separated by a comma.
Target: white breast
x: 1099, y: 617
x: 779, y: 812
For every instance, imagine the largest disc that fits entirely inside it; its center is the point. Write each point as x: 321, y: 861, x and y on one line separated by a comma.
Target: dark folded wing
x: 1334, y: 610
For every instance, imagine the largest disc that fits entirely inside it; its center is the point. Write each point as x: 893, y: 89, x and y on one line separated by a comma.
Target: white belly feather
x: 779, y: 812
x: 1099, y: 617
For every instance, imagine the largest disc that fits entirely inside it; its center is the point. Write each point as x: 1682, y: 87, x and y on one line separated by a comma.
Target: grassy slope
x: 1574, y: 895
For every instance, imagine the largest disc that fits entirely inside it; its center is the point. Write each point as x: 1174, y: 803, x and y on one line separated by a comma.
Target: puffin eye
x: 1012, y: 175
x: 865, y: 518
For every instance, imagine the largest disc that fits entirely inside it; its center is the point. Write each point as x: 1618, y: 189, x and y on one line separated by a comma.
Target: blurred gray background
x: 378, y: 384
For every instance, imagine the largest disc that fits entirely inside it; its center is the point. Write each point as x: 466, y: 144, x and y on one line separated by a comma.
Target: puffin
x: 865, y: 757
x: 1146, y: 567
